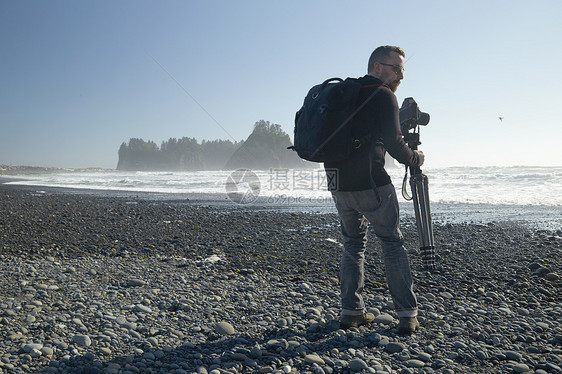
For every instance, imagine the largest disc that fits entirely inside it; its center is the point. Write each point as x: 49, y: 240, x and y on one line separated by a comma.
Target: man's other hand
x: 421, y: 157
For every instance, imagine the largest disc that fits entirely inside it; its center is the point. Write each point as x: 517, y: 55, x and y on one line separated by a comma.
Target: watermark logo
x: 282, y: 186
x: 243, y: 186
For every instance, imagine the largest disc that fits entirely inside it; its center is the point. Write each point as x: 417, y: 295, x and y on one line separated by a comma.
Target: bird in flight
x: 501, y: 119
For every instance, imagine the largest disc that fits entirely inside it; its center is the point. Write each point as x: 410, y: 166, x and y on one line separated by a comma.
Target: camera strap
x: 404, y: 187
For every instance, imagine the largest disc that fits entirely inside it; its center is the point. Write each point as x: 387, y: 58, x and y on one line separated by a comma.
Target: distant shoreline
x: 8, y: 180
x: 24, y: 170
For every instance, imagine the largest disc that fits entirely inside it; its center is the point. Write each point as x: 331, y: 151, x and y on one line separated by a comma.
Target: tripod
x: 420, y: 195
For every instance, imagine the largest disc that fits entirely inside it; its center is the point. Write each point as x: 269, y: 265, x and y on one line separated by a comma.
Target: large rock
x: 266, y: 148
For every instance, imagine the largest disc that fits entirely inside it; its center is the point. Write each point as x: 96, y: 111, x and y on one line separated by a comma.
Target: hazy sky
x: 78, y: 78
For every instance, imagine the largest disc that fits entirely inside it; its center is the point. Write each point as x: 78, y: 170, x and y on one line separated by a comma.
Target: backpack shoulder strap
x: 369, y: 137
x: 371, y: 95
x: 374, y: 85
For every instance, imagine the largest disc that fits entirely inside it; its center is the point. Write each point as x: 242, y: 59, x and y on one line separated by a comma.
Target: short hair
x: 381, y: 53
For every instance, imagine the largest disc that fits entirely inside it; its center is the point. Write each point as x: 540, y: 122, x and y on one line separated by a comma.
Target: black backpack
x: 323, y: 126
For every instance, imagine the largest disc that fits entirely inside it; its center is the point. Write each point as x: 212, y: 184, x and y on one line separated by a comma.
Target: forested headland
x: 265, y: 148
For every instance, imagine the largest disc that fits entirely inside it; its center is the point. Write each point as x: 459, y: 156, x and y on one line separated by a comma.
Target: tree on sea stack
x: 266, y: 148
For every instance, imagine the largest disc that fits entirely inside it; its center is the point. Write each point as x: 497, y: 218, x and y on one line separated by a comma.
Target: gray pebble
x: 224, y: 328
x: 82, y: 340
x: 314, y: 359
x: 423, y: 356
x: 357, y: 365
x: 414, y: 363
x: 29, y: 347
x: 512, y: 355
x: 521, y: 368
x: 135, y: 283
x: 394, y: 347
x: 384, y: 318
x: 143, y: 308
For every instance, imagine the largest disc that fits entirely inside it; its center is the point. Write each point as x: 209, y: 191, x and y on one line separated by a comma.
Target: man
x: 364, y: 193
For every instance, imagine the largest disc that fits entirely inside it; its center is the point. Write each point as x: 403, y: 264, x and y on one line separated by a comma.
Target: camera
x: 411, y: 115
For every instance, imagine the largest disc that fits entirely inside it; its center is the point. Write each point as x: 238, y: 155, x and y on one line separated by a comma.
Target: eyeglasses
x: 396, y: 68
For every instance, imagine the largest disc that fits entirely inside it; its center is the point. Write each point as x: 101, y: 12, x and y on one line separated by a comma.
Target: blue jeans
x: 378, y: 206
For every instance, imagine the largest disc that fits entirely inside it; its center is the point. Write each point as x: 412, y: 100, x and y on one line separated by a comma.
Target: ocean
x: 457, y: 194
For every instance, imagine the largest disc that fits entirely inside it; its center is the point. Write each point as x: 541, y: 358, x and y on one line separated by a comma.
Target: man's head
x: 387, y: 64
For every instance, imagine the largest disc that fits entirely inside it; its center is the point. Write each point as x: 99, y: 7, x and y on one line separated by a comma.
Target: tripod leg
x: 420, y: 191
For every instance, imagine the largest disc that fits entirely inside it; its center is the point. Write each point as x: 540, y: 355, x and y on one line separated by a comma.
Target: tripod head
x: 412, y: 138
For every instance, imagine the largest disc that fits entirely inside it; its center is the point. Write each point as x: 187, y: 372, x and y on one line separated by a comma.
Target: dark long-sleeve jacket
x: 364, y: 169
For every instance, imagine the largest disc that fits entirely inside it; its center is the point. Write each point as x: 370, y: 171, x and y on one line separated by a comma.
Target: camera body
x: 411, y: 116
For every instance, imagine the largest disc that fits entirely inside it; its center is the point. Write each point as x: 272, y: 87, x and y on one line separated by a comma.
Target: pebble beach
x: 102, y: 284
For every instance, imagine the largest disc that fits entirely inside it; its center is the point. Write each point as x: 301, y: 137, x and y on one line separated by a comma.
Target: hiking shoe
x: 408, y: 325
x: 348, y: 321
